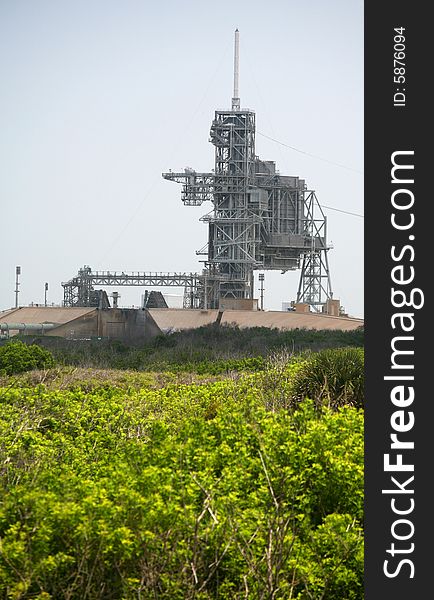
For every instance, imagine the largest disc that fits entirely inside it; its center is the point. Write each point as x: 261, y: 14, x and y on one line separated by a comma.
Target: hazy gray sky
x: 99, y: 97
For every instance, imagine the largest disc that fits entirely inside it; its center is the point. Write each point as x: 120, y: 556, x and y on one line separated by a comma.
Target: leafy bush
x: 121, y: 487
x: 332, y: 377
x: 186, y: 492
x: 17, y: 357
x: 217, y: 367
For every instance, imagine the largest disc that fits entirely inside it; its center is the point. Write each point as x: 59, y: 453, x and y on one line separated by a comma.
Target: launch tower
x: 260, y: 220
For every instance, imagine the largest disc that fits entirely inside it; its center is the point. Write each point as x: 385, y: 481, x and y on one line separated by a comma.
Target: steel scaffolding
x: 260, y: 219
x: 80, y: 290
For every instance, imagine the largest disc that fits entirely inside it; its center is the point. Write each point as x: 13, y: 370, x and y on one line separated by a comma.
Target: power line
x: 331, y: 162
x: 347, y: 212
x: 175, y: 147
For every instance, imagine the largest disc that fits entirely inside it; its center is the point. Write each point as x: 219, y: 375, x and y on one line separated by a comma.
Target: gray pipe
x: 26, y: 326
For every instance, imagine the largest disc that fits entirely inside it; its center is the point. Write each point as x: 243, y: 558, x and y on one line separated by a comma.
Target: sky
x: 100, y: 97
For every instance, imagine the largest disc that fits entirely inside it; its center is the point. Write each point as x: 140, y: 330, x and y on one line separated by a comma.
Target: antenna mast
x: 236, y: 96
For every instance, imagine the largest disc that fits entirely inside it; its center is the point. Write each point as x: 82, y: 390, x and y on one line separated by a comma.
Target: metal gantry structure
x: 81, y: 289
x: 260, y: 220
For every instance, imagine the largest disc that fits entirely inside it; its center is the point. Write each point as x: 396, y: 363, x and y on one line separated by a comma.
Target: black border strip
x: 402, y: 538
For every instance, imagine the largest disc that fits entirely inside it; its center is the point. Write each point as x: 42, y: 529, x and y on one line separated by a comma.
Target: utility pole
x: 261, y: 279
x: 46, y: 290
x: 17, y: 284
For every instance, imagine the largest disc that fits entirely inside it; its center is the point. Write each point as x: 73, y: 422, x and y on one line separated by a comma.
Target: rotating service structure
x: 260, y: 220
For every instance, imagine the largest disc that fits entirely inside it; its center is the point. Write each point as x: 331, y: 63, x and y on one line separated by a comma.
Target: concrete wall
x: 333, y: 307
x: 238, y: 304
x: 85, y: 326
x: 301, y: 307
x: 125, y: 324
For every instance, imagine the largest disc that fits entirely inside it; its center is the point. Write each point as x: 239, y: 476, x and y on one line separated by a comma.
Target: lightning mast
x: 236, y: 96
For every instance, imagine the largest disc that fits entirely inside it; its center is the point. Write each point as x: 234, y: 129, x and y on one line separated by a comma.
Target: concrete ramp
x: 288, y: 320
x: 43, y: 314
x: 180, y: 319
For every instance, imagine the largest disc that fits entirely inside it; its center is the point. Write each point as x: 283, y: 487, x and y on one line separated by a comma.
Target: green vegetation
x: 207, y: 349
x: 332, y: 376
x: 219, y: 481
x: 17, y: 357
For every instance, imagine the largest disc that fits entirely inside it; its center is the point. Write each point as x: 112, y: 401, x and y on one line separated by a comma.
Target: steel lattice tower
x: 260, y: 219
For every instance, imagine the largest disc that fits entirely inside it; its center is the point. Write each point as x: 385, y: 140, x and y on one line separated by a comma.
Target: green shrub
x: 209, y: 348
x: 17, y: 357
x: 333, y: 377
x: 182, y: 493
